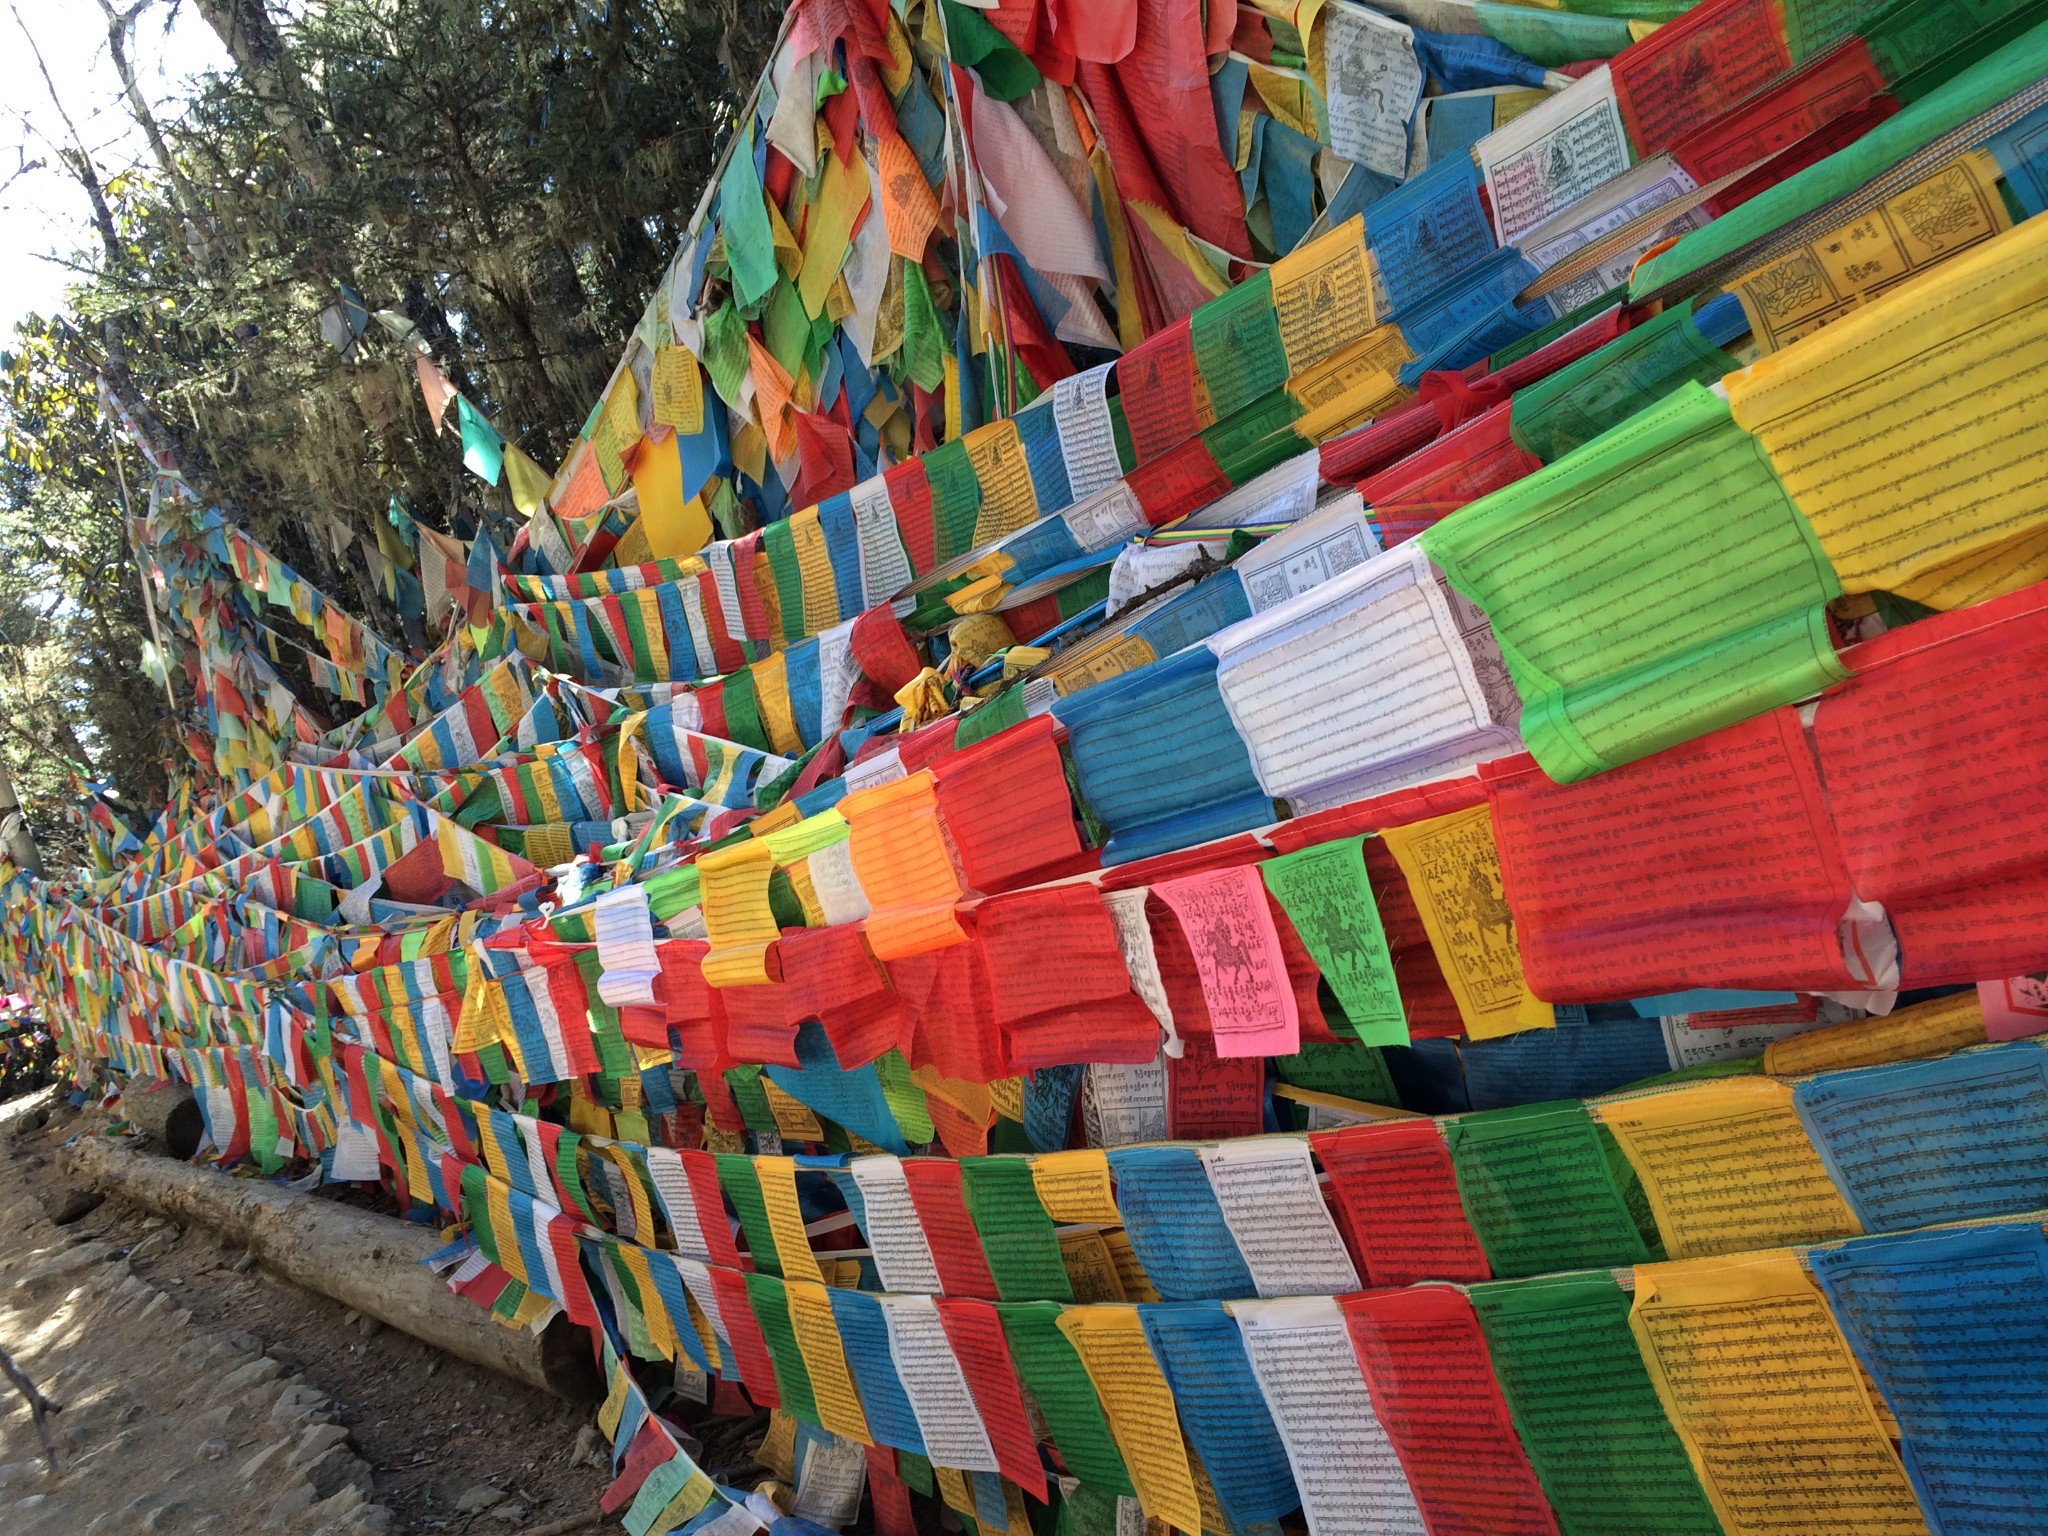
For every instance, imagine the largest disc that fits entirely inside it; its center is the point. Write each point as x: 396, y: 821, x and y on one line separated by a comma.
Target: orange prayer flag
x: 909, y: 209
x: 904, y: 867
x: 772, y: 390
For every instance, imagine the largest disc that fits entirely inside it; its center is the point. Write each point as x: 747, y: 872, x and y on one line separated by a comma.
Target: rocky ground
x: 200, y: 1394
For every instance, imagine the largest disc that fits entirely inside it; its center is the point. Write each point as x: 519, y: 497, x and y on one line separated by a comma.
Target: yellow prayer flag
x: 527, y: 482
x: 814, y: 570
x: 1138, y: 1404
x: 1728, y: 1167
x: 1933, y: 1028
x: 1091, y: 1269
x: 817, y: 1339
x: 828, y: 234
x: 771, y: 699
x: 778, y: 1446
x: 1009, y: 500
x: 660, y: 1326
x: 737, y: 917
x: 794, y: 1120
x: 1074, y: 1186
x: 1912, y: 432
x: 785, y: 1217
x: 1323, y: 295
x: 672, y: 526
x: 1763, y: 1391
x: 678, y: 390
x: 1453, y: 872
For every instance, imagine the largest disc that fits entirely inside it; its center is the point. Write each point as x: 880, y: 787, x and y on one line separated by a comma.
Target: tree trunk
x: 253, y: 41
x: 360, y: 1259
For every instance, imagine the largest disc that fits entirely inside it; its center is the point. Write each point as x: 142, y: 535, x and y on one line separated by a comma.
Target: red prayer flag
x: 743, y: 1332
x: 1931, y: 755
x: 886, y: 1493
x: 975, y: 1331
x: 1691, y: 70
x: 1459, y: 467
x: 941, y: 1203
x: 1713, y: 864
x: 1432, y: 1384
x: 1156, y: 385
x: 1212, y: 1098
x: 650, y: 1448
x: 1802, y: 103
x: 1061, y: 991
x: 700, y: 1171
x: 952, y: 1025
x: 838, y: 982
x: 1006, y: 806
x: 1397, y: 1197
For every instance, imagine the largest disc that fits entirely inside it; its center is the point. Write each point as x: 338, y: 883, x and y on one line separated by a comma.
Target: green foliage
x: 508, y: 175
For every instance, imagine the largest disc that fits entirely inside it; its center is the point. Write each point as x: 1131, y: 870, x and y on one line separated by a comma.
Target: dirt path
x: 201, y: 1394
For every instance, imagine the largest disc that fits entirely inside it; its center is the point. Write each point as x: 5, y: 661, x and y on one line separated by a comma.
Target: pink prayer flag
x: 1230, y: 931
x: 2015, y: 1007
x: 434, y: 388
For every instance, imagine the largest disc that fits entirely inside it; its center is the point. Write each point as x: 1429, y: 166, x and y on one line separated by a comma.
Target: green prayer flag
x: 786, y: 328
x: 1237, y: 345
x: 1345, y: 1068
x: 725, y: 353
x: 1585, y: 1408
x: 1603, y: 389
x: 1087, y: 1512
x: 998, y: 714
x: 1648, y: 588
x: 956, y: 497
x: 1552, y: 38
x: 1016, y: 1234
x: 1006, y: 73
x: 1539, y: 1190
x: 664, y: 1484
x: 916, y: 1473
x: 1057, y: 1381
x: 633, y: 1315
x: 483, y: 450
x: 906, y: 1100
x: 614, y: 1055
x: 569, y: 1171
x: 743, y: 221
x: 1811, y: 25
x: 770, y: 1305
x: 924, y: 337
x: 1254, y: 438
x: 778, y: 543
x: 742, y: 1187
x: 1327, y: 896
x: 744, y: 1082
x: 1912, y: 40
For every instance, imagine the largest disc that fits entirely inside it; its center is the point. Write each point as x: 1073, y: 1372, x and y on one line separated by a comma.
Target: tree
x: 510, y: 175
